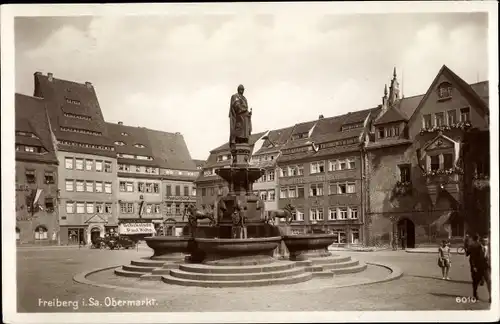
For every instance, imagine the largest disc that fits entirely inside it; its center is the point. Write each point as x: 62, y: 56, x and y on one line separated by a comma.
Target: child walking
x: 444, y: 260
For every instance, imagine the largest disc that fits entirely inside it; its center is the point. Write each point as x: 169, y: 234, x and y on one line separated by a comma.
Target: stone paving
x: 47, y: 274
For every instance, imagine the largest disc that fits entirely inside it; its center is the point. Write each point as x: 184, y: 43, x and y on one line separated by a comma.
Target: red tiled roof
x: 31, y: 117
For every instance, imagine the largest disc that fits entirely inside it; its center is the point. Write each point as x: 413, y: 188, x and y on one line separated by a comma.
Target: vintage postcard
x: 250, y: 162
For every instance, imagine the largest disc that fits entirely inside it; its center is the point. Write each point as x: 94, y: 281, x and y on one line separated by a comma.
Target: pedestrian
x: 444, y: 259
x: 479, y: 264
x: 466, y: 242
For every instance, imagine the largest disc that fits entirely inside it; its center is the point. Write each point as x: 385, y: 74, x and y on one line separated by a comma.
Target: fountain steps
x: 272, y: 267
x: 130, y: 274
x: 236, y: 276
x: 328, y: 267
x: 297, y: 278
x: 134, y: 268
x: 147, y: 263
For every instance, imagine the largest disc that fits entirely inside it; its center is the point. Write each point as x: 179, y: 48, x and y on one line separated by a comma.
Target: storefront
x: 136, y: 229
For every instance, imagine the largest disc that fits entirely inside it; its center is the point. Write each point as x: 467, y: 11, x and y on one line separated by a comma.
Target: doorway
x: 406, y: 234
x: 95, y: 233
x: 76, y: 236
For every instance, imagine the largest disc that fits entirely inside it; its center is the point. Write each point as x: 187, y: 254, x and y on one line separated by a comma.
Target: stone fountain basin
x: 239, y: 173
x: 305, y: 246
x: 238, y: 251
x: 170, y: 247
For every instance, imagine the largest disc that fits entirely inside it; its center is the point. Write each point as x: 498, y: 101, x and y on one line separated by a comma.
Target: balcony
x: 460, y: 125
x: 402, y: 189
x: 444, y: 175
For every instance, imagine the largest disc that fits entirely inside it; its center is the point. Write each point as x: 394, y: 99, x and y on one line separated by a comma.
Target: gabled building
x: 36, y: 174
x: 424, y: 154
x: 87, y: 158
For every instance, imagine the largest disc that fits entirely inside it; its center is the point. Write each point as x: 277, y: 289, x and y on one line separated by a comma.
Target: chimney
x: 321, y: 117
x: 88, y: 84
x: 38, y: 73
x: 120, y: 123
x: 51, y: 76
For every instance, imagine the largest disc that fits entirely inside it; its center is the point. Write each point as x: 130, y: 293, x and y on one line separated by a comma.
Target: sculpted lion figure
x: 287, y: 213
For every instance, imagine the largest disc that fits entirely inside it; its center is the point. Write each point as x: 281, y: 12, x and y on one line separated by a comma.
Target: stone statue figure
x: 240, y: 118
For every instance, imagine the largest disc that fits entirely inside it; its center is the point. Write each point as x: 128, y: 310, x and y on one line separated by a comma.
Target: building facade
x: 37, y: 218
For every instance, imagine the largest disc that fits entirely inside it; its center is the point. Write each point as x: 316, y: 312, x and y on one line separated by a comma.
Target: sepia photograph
x: 250, y: 162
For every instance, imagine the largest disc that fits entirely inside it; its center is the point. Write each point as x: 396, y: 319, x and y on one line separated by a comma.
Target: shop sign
x: 180, y: 198
x: 136, y: 228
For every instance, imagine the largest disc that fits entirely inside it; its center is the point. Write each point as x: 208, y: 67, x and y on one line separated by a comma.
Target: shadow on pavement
x: 440, y: 279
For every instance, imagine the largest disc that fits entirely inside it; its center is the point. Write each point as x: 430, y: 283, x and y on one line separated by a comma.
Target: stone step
x: 172, y: 265
x: 340, y: 265
x: 303, y: 263
x: 151, y: 277
x: 147, y: 263
x: 161, y: 271
x: 271, y: 267
x: 353, y: 269
x: 240, y: 283
x: 330, y: 260
x: 323, y: 274
x: 313, y: 268
x: 130, y: 274
x: 236, y: 276
x: 135, y: 268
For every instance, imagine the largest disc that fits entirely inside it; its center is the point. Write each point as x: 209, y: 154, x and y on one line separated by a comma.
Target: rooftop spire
x: 394, y: 73
x: 385, y: 90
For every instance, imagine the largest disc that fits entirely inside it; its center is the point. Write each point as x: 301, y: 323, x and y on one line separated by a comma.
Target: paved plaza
x: 46, y: 275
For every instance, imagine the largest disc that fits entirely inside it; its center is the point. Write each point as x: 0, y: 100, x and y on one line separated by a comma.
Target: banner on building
x: 136, y: 228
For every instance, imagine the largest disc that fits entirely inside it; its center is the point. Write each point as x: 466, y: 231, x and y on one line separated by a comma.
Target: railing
x: 444, y: 175
x: 443, y: 128
x: 402, y: 188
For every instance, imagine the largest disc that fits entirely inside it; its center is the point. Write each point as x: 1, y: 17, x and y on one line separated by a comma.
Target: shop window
x: 354, y: 236
x: 41, y: 233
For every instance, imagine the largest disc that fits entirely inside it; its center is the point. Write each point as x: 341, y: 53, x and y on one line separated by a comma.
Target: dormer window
x: 444, y: 91
x: 124, y: 134
x: 139, y: 146
x: 73, y: 101
x: 381, y: 132
x: 119, y: 143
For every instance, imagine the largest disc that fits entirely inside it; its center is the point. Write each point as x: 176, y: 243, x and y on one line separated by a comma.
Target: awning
x: 442, y: 219
x: 156, y: 221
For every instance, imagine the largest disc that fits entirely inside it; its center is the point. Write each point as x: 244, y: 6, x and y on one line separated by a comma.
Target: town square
x: 252, y: 162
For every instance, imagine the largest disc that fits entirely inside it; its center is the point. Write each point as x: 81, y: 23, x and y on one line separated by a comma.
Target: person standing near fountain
x: 240, y: 119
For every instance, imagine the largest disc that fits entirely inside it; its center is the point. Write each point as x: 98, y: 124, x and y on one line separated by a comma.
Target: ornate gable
x: 441, y: 142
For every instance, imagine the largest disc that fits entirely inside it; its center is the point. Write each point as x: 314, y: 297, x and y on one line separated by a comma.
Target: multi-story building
x: 36, y: 174
x: 423, y: 159
x: 86, y: 155
x: 265, y: 154
x: 321, y: 174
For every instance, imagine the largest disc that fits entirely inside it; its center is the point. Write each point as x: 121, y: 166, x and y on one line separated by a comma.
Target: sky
x: 176, y: 73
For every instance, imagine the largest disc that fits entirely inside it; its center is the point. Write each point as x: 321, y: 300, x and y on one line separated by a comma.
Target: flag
x: 37, y: 196
x: 141, y: 208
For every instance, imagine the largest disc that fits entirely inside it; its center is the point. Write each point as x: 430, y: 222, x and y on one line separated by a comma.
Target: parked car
x: 126, y: 242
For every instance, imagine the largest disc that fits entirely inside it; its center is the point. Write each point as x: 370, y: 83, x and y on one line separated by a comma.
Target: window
x: 80, y: 186
x: 79, y: 164
x: 342, y: 213
x: 126, y: 208
x: 123, y: 186
x: 98, y: 186
x: 427, y: 121
x: 98, y: 166
x: 316, y: 190
x: 354, y: 236
x: 157, y: 209
x: 317, y: 167
x: 89, y: 185
x: 342, y: 165
x: 271, y: 195
x: 404, y: 173
x: 342, y: 188
x: 139, y: 146
x: 444, y: 90
x: 41, y: 233
x: 381, y: 132
x: 107, y: 187
x: 448, y: 161
x: 300, y: 192
x: 90, y: 208
x: 149, y: 187
x: 333, y: 189
x: 316, y: 214
x: 119, y: 143
x: 99, y: 208
x: 283, y: 192
x: 263, y: 178
x: 169, y: 209
x: 333, y: 165
x: 354, y: 213
x: 332, y: 213
x: 465, y: 115
x: 70, y: 206
x: 178, y: 190
x: 148, y: 170
x: 300, y: 170
x: 156, y: 189
x: 270, y: 175
x: 434, y: 162
x: 107, y: 166
x: 73, y: 101
x: 351, y: 163
x: 292, y: 171
x: 30, y: 176
x: 169, y: 190
x: 292, y: 192
x: 149, y: 209
x: 439, y: 119
x: 88, y: 165
x: 351, y: 187
x: 299, y: 216
x: 29, y: 149
x: 108, y: 208
x: 129, y: 186
x: 69, y: 185
x: 284, y: 172
x: 177, y: 209
x: 124, y: 134
x: 452, y: 117
x: 68, y: 162
x: 263, y: 195
x: 80, y: 208
x: 49, y: 177
x: 203, y: 191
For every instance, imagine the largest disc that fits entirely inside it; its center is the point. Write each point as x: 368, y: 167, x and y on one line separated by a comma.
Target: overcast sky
x: 177, y: 73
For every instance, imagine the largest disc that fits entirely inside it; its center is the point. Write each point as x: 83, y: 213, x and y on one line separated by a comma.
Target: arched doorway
x: 406, y: 233
x: 169, y: 227
x: 95, y: 233
x: 41, y: 233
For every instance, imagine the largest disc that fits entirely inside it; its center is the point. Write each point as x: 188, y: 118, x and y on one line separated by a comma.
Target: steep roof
x: 74, y: 105
x: 168, y: 150
x: 31, y: 117
x: 408, y: 105
x: 278, y: 137
x: 225, y: 147
x: 482, y: 90
x: 393, y: 114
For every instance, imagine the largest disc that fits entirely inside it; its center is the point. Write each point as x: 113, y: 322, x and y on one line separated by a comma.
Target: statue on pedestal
x: 240, y: 119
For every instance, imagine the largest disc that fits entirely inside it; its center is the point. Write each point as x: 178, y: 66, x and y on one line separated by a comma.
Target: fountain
x: 237, y: 250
